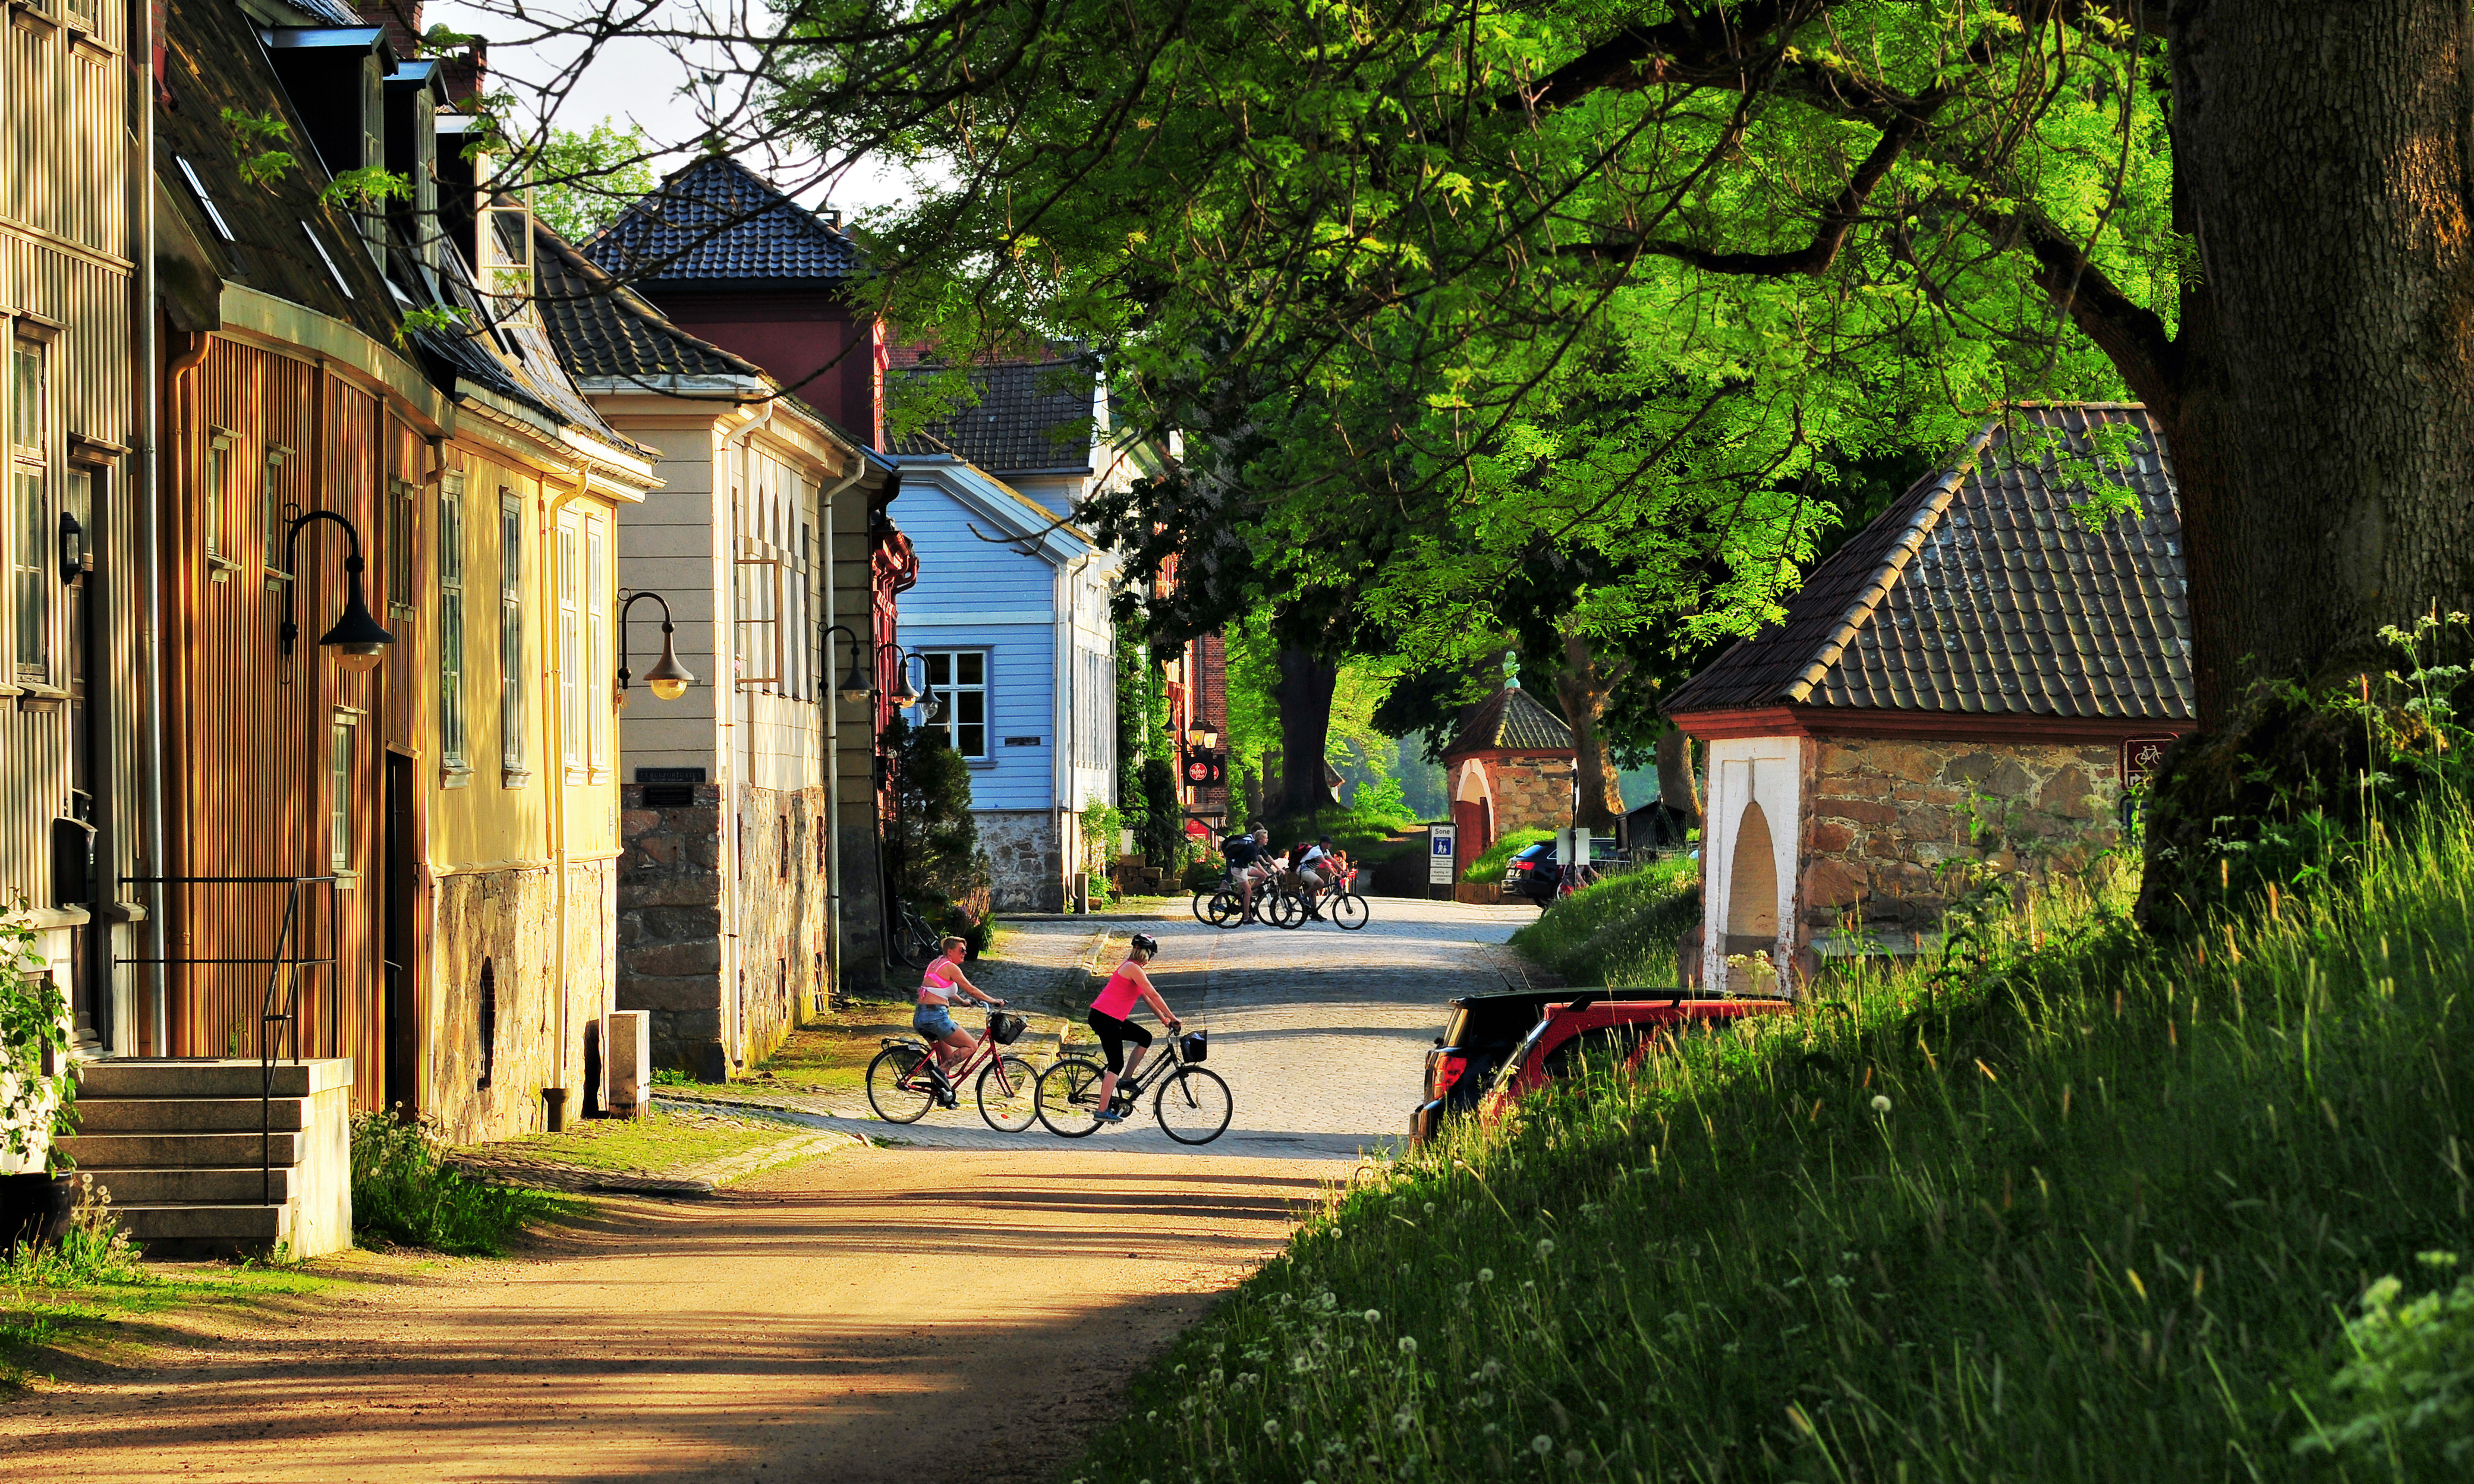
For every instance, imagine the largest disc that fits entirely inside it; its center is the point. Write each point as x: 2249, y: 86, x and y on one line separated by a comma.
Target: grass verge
x: 403, y: 1193
x: 1496, y: 858
x: 668, y: 1137
x: 46, y: 1322
x: 1620, y: 930
x: 2062, y: 1206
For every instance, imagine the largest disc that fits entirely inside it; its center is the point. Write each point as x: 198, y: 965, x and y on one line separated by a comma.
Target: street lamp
x: 357, y: 639
x: 668, y: 679
x: 859, y: 685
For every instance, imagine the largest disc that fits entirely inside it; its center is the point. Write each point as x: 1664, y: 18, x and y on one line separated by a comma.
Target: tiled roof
x: 1509, y: 720
x: 717, y: 222
x: 1979, y: 591
x: 604, y: 330
x: 1031, y: 415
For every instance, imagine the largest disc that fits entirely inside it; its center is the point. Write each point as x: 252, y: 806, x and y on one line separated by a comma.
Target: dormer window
x: 198, y: 188
x: 327, y: 258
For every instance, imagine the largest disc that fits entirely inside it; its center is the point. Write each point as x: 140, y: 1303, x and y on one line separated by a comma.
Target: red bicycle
x: 904, y: 1081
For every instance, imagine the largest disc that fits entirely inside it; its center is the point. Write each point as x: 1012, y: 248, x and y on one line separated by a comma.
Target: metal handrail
x: 289, y: 1017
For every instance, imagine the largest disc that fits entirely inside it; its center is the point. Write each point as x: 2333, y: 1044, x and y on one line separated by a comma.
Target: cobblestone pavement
x: 1319, y: 1034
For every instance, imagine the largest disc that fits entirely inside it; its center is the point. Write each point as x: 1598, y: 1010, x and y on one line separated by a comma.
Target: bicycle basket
x: 1193, y: 1045
x: 1008, y: 1028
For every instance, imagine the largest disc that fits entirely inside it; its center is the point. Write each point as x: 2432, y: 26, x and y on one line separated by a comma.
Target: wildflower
x: 1541, y: 1444
x: 1491, y: 1370
x: 1403, y: 1420
x: 1880, y: 1104
x: 1838, y: 1280
x: 1486, y: 1275
x: 1489, y: 1429
x: 1374, y: 1316
x: 1272, y: 1429
x: 1432, y: 1207
x: 1575, y: 1457
x: 1545, y: 1248
x: 1217, y: 1375
x: 1408, y: 1345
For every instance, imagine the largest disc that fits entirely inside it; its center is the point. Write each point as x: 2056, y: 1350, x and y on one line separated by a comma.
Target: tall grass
x: 1620, y: 930
x: 1495, y: 859
x: 2075, y: 1209
x: 403, y: 1192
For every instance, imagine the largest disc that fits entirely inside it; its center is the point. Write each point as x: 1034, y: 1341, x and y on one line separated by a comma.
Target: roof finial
x: 1511, y: 670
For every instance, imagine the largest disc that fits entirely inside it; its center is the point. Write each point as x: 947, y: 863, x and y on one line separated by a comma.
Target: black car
x: 1480, y: 1031
x: 1533, y: 872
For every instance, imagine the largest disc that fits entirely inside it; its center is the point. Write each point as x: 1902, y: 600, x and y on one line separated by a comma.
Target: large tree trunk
x: 1677, y: 787
x: 1582, y: 686
x: 1306, y: 684
x: 2317, y: 398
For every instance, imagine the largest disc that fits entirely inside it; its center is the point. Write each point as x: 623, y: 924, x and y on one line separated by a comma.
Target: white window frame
x: 595, y: 702
x: 760, y: 616
x: 215, y: 485
x: 342, y: 764
x: 30, y: 524
x: 515, y: 774
x: 271, y: 515
x: 570, y: 645
x: 953, y: 691
x: 452, y: 719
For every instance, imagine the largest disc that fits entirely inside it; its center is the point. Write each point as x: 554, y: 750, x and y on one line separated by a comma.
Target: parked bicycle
x: 913, y: 941
x: 904, y: 1081
x: 1190, y: 1101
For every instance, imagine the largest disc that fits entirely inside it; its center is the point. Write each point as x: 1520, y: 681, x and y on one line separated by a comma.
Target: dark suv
x: 1480, y: 1031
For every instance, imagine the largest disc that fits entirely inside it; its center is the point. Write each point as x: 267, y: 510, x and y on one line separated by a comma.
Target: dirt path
x: 825, y: 1322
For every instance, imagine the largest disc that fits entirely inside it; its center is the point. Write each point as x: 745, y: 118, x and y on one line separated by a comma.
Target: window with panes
x: 511, y: 634
x: 570, y: 645
x: 597, y: 664
x: 340, y: 756
x: 450, y: 623
x: 959, y: 678
x: 28, y: 514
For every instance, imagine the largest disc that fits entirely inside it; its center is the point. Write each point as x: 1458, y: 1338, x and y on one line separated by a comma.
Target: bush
x: 2063, y: 1204
x: 1621, y: 929
x: 2407, y: 1393
x: 94, y: 1249
x: 403, y: 1192
x: 1496, y: 858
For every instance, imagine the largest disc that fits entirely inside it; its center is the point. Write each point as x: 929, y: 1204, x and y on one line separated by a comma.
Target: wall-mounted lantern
x: 860, y: 686
x: 668, y: 679
x: 359, y: 641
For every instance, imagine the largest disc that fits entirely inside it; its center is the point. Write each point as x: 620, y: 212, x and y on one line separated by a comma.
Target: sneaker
x: 1109, y: 1115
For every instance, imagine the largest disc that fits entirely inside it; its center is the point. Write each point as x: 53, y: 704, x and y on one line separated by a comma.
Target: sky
x: 640, y: 83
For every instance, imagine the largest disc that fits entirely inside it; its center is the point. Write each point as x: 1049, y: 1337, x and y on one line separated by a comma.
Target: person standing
x: 1109, y: 1018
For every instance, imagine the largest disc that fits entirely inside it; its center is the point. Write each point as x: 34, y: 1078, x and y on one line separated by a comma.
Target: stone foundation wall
x: 1025, y: 857
x: 1531, y: 794
x: 671, y: 898
x: 493, y: 1006
x: 1890, y: 826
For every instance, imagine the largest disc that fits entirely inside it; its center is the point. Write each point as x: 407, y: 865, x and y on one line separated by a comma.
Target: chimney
x: 402, y: 19
x: 468, y: 72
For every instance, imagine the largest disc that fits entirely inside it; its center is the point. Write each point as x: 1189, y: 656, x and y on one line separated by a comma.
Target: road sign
x: 1441, y: 844
x: 2141, y: 755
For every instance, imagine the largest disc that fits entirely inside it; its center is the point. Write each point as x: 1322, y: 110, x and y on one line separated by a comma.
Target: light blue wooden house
x: 1011, y: 613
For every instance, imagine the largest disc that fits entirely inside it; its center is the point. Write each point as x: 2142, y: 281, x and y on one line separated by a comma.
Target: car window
x: 1600, y: 1046
x: 1456, y: 1026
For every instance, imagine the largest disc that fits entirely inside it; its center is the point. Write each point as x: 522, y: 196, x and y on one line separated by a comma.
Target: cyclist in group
x: 1317, y: 866
x: 1245, y: 855
x: 1109, y: 1014
x: 934, y: 1016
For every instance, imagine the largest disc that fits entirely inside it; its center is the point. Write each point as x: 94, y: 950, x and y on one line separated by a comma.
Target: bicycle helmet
x: 1146, y: 943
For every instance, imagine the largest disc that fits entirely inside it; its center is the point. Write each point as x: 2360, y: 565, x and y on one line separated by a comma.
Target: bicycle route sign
x: 1439, y: 848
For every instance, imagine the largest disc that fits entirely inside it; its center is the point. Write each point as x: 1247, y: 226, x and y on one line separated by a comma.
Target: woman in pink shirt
x: 1108, y: 1014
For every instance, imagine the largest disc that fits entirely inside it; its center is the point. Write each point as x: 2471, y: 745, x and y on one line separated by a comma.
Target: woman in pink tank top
x: 1109, y: 1014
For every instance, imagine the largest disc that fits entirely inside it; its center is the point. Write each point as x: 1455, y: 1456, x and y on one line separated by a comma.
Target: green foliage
x: 2082, y: 1215
x: 367, y: 188
x: 1621, y: 929
x: 1102, y: 827
x: 403, y: 1192
x: 932, y: 842
x: 37, y: 1096
x: 257, y: 145
x: 1494, y: 860
x: 1161, y: 835
x: 2406, y: 1399
x: 430, y: 319
x: 94, y: 1249
x: 583, y: 178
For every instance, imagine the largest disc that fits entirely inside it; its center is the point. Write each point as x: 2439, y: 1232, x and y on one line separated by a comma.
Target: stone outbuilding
x: 1958, y: 693
x: 1508, y: 767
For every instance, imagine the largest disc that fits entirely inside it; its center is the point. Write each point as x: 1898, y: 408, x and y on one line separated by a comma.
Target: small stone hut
x: 1508, y: 767
x: 1957, y: 690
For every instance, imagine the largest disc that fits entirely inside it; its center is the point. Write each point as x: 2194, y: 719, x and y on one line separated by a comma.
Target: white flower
x: 1408, y: 1345
x: 1575, y: 1457
x: 1432, y: 1207
x: 1486, y: 1275
x: 1403, y: 1420
x: 1541, y: 1444
x: 1272, y: 1429
x: 1491, y: 1370
x: 1374, y: 1316
x: 1545, y: 1248
x: 1880, y: 1104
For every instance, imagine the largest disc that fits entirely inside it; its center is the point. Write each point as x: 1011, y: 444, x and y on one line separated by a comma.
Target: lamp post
x: 668, y: 679
x: 357, y: 639
x: 860, y: 686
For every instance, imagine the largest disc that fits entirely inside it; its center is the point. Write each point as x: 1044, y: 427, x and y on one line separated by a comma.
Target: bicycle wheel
x: 1226, y: 910
x: 925, y: 943
x: 1287, y: 909
x: 892, y: 1091
x: 1202, y: 901
x: 1008, y: 1094
x: 1193, y: 1105
x: 1069, y: 1094
x: 1348, y: 911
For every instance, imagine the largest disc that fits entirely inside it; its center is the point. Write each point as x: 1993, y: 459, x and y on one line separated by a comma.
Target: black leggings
x: 1114, y: 1033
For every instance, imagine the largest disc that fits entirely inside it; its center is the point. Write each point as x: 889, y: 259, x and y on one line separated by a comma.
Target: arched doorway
x: 1752, y: 902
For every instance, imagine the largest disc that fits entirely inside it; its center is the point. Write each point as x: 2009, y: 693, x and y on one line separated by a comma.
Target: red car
x: 1591, y: 1026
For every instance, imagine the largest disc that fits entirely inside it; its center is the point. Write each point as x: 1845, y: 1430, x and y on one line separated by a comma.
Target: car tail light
x: 1448, y: 1072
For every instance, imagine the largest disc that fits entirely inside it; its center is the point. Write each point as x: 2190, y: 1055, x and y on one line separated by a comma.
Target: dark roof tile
x: 1029, y: 415
x: 718, y: 223
x: 1511, y: 719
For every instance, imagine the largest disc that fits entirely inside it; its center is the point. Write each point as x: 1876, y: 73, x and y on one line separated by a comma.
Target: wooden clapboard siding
x: 254, y: 726
x: 66, y: 102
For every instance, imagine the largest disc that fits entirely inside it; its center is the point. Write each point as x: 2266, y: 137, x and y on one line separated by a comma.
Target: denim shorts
x: 933, y: 1021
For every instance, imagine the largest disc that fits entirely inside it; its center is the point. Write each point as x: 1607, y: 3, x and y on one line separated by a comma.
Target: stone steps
x: 228, y: 1186
x: 159, y: 1149
x: 183, y: 1115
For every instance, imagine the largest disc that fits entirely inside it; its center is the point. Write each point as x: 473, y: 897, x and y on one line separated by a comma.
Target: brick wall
x: 1890, y: 822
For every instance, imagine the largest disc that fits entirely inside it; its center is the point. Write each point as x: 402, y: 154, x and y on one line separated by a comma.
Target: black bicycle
x: 1191, y: 1101
x: 913, y: 941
